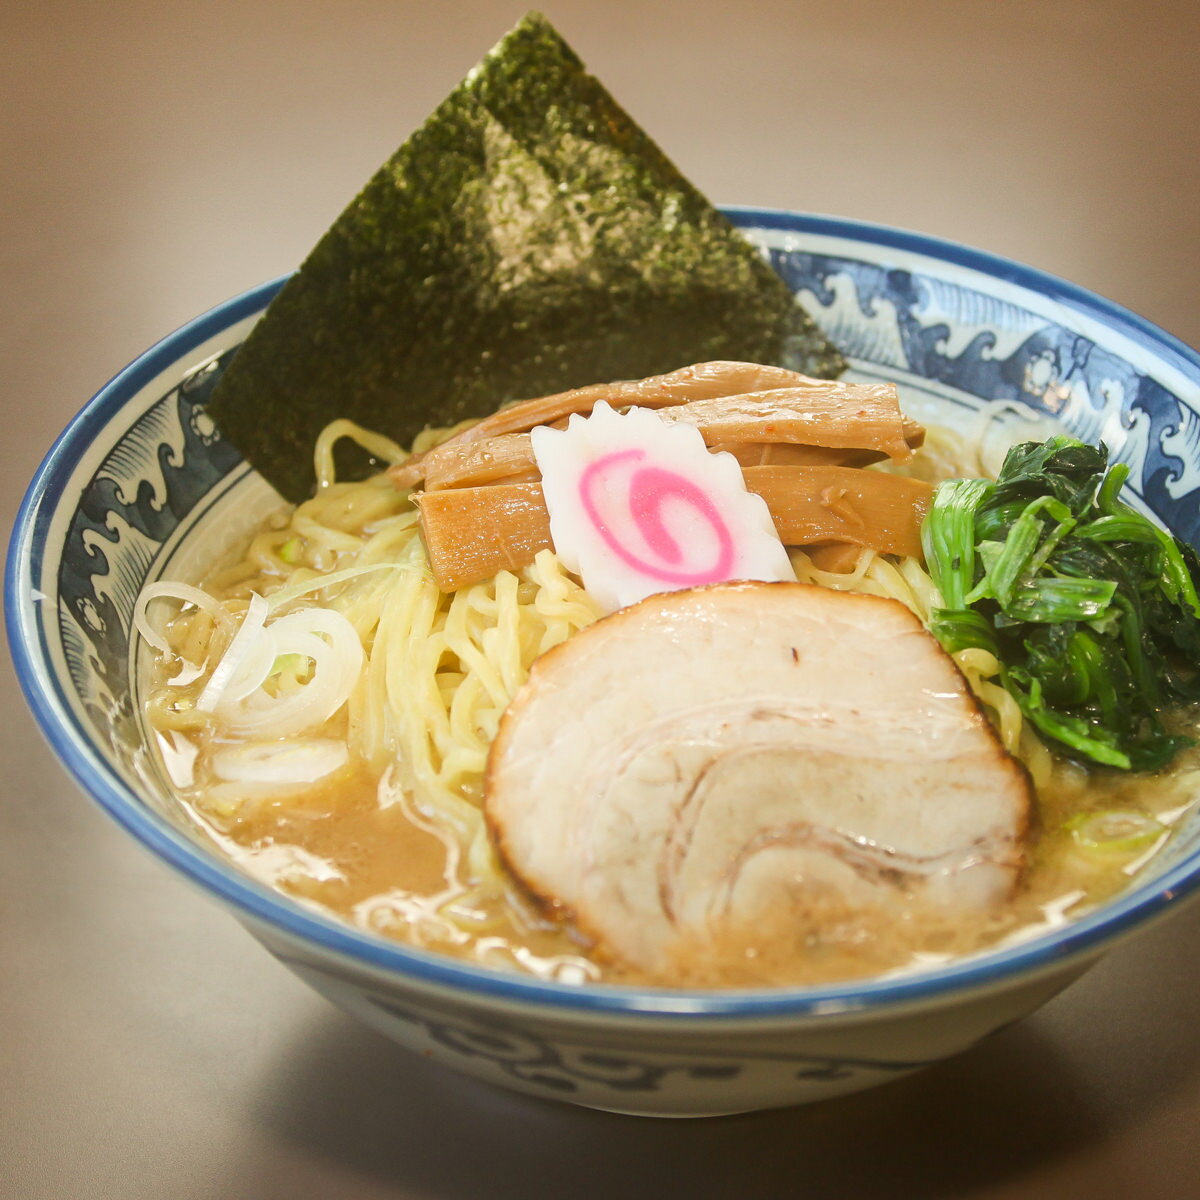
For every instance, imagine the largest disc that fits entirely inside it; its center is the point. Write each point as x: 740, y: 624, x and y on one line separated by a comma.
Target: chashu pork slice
x: 742, y: 756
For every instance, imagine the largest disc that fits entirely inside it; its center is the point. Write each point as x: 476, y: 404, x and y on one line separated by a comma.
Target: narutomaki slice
x: 710, y: 763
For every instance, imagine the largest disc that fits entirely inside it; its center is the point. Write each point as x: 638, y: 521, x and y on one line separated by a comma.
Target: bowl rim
x: 257, y: 903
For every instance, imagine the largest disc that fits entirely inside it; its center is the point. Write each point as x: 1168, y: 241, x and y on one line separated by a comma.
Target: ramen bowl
x: 141, y: 486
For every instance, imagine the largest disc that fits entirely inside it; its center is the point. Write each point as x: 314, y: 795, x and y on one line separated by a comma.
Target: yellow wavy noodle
x: 981, y: 670
x: 876, y: 575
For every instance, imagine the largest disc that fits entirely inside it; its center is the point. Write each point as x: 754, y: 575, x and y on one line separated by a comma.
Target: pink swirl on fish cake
x: 650, y: 489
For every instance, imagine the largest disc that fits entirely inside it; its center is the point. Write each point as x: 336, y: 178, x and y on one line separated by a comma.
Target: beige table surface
x: 158, y: 158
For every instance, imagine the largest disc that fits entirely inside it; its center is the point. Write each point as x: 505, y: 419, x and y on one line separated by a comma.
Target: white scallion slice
x: 297, y: 761
x: 255, y: 668
x: 293, y: 591
x: 166, y: 590
x: 1116, y: 831
x: 331, y: 644
x: 243, y: 643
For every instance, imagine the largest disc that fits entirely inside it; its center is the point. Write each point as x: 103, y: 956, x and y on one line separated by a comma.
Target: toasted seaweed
x: 528, y: 238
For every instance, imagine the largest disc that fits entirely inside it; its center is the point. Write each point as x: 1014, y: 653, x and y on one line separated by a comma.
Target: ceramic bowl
x: 141, y: 486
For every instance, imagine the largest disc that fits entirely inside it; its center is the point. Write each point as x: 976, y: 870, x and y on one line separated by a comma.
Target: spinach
x: 1090, y: 608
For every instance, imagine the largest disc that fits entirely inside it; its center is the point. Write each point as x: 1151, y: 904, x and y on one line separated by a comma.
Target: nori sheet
x: 528, y: 238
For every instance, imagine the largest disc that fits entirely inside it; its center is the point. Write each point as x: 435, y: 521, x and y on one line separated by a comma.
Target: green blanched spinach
x: 1090, y: 608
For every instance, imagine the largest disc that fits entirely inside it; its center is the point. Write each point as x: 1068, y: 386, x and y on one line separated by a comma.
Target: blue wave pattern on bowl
x: 893, y: 318
x: 532, y: 1060
x: 173, y: 455
x: 1052, y: 368
x: 165, y: 464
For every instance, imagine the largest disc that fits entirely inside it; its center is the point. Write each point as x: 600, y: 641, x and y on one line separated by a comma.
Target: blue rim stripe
x: 1115, y: 316
x: 55, y: 715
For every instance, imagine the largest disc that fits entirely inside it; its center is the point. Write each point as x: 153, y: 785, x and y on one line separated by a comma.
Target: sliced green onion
x: 293, y: 591
x: 1117, y: 831
x: 185, y: 594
